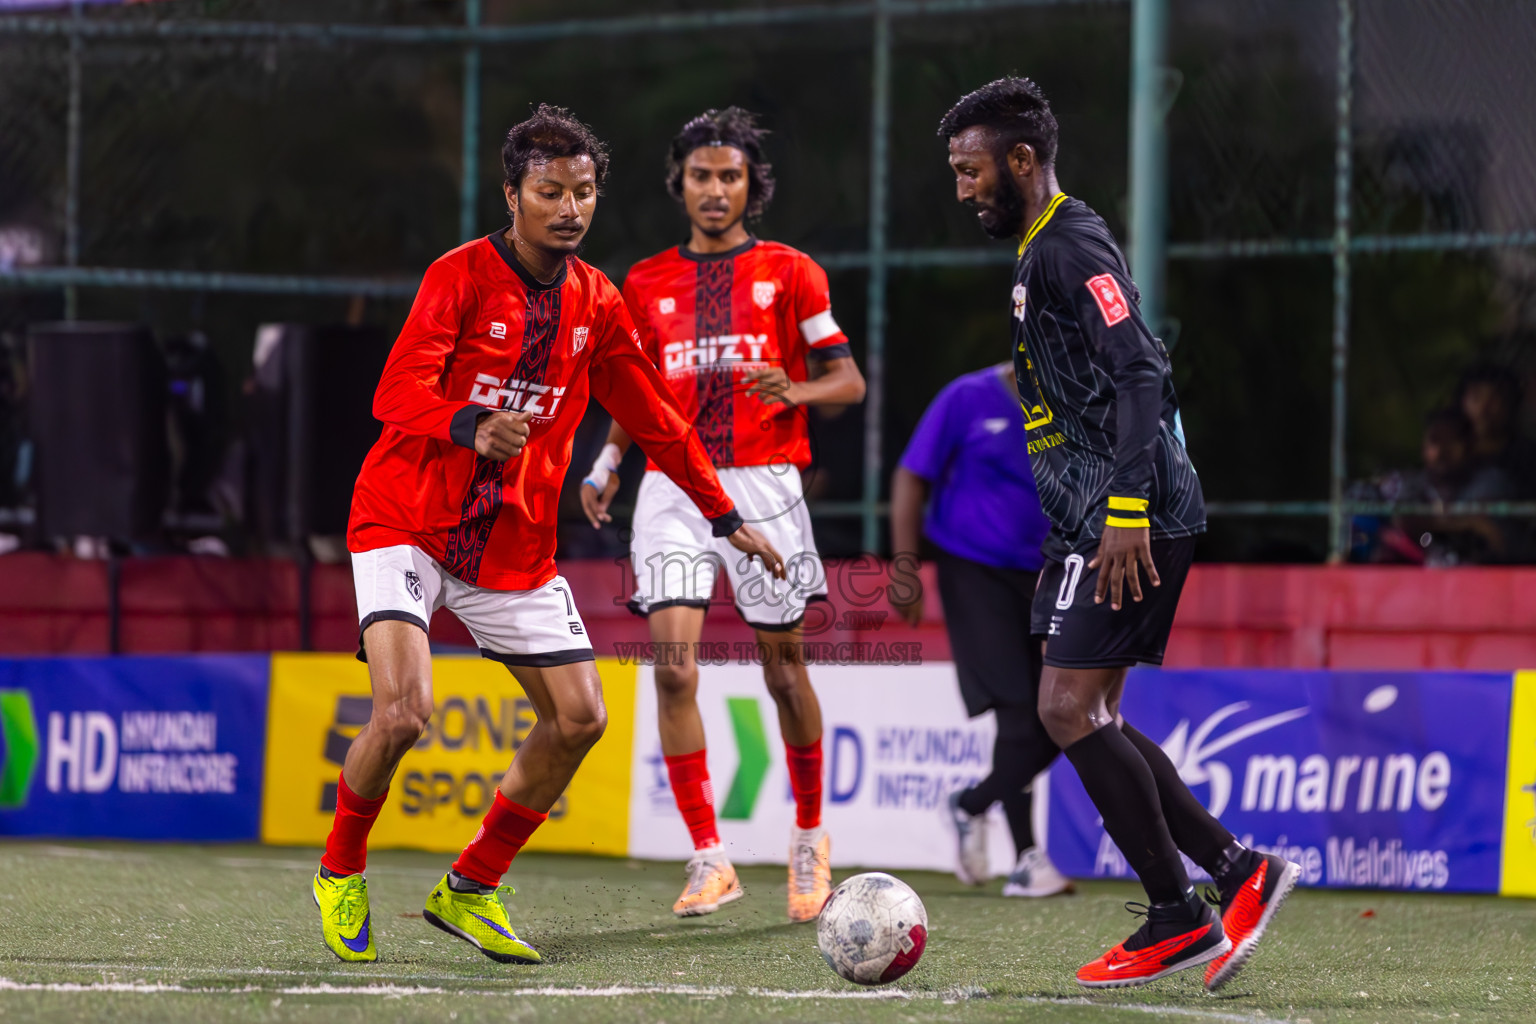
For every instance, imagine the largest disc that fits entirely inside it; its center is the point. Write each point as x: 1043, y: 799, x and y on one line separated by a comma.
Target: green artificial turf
x: 229, y: 933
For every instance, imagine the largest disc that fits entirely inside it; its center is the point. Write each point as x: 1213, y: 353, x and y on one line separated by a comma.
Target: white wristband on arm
x: 606, y: 465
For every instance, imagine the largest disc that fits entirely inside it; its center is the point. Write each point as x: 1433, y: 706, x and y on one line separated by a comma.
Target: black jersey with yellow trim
x: 1105, y: 440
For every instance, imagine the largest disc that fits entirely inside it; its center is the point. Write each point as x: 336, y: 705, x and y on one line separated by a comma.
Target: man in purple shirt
x: 969, y: 462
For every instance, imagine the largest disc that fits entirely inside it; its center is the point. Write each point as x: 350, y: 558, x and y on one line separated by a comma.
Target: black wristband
x: 461, y: 429
x: 724, y: 526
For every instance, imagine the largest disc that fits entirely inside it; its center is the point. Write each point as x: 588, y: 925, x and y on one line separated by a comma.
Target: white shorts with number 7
x: 537, y: 628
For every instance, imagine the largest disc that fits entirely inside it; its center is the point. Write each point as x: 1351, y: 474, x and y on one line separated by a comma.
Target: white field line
x: 618, y: 992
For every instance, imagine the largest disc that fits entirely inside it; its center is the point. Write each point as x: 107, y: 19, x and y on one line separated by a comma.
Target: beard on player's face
x: 716, y: 215
x: 716, y: 229
x: 1003, y: 214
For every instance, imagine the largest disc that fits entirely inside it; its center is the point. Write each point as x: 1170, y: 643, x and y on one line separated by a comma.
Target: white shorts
x: 537, y: 628
x: 677, y: 560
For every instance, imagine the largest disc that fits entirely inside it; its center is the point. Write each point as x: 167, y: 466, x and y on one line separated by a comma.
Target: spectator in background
x: 1489, y: 395
x: 969, y: 456
x: 1451, y: 473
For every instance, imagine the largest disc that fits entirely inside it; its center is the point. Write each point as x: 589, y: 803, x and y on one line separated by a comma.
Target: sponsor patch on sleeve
x: 1112, y: 304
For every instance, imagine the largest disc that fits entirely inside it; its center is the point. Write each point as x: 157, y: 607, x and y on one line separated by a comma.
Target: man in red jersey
x: 455, y: 506
x: 742, y: 330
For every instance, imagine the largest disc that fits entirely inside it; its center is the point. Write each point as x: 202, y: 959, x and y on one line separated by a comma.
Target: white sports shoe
x: 1035, y: 875
x: 970, y: 842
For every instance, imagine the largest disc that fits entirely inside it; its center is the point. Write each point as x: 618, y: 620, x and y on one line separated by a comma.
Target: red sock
x: 346, y: 849
x: 506, y: 828
x: 695, y: 796
x: 804, y: 765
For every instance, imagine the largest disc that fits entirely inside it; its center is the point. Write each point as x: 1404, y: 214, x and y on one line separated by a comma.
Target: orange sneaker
x: 810, y: 872
x: 1246, y: 912
x: 712, y: 883
x: 1173, y: 939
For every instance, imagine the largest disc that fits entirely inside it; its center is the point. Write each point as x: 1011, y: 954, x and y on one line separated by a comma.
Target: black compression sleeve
x: 1094, y: 281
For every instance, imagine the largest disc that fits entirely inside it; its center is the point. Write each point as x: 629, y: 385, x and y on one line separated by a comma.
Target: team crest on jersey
x: 578, y: 339
x: 666, y: 306
x: 1019, y: 294
x: 763, y: 292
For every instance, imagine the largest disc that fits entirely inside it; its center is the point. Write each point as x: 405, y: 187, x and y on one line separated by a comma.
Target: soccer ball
x: 872, y: 929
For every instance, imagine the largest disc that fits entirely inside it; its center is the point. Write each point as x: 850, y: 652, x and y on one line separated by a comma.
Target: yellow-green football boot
x: 480, y: 920
x: 344, y: 918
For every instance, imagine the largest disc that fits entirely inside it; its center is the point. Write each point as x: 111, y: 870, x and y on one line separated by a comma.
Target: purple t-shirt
x: 971, y: 448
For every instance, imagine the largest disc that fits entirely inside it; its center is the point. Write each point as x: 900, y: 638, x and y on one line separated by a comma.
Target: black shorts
x: 987, y: 613
x: 1081, y: 634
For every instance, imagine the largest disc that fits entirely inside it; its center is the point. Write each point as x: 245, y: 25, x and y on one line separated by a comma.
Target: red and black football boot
x: 1246, y: 910
x: 1174, y: 938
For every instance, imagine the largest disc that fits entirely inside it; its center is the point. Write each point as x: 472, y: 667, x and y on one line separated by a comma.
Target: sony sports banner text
x: 133, y: 747
x: 1367, y: 780
x: 895, y: 742
x: 447, y: 782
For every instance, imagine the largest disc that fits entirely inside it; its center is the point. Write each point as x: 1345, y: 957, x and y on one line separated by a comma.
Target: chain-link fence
x: 1324, y: 200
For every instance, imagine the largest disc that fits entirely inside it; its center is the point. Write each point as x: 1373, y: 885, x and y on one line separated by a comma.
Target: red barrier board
x: 1231, y: 615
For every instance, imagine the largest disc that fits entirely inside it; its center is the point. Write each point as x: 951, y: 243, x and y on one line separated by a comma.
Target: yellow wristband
x: 1129, y: 524
x: 1128, y: 504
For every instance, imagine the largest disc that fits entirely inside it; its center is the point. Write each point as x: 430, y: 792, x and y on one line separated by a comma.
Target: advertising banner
x: 132, y: 748
x: 445, y: 785
x: 895, y: 742
x: 1367, y: 780
x: 1518, y: 872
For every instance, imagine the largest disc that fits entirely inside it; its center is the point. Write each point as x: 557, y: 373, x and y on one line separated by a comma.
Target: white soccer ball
x: 872, y: 929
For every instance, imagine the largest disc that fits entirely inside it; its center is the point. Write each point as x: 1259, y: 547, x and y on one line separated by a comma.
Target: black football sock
x: 1021, y: 751
x: 1195, y: 831
x: 1121, y: 786
x: 1019, y: 809
x: 1234, y: 866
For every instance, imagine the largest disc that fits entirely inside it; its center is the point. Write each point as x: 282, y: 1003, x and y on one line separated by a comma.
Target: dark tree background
x: 344, y: 160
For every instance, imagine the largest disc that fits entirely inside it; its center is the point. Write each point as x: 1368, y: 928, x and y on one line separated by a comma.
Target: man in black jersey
x: 1107, y: 451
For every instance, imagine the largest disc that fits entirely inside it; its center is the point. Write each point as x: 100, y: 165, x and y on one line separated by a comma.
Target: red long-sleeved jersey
x: 707, y: 321
x: 484, y: 334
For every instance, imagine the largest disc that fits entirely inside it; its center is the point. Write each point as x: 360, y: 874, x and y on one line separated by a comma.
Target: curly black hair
x: 1016, y: 111
x: 550, y: 133
x: 732, y: 126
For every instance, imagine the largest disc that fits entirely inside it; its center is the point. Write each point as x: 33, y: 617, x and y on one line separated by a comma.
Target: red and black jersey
x: 484, y: 334
x: 707, y: 321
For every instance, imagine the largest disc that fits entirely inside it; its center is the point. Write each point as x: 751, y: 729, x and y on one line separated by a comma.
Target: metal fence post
x: 469, y: 183
x: 1338, y: 523
x: 874, y: 360
x: 1149, y: 156
x: 72, y: 160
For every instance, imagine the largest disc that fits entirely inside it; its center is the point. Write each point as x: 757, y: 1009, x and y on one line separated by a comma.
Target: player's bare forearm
x: 908, y: 492
x: 618, y: 437
x: 601, y: 483
x: 840, y: 383
x: 1123, y: 550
